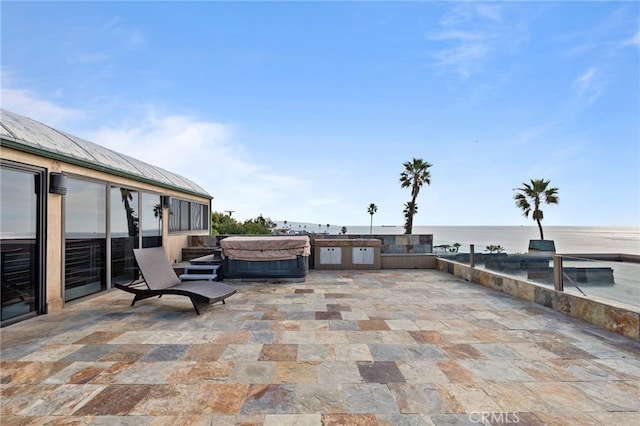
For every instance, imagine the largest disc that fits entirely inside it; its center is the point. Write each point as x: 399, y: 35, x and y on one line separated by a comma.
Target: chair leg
x: 195, y: 305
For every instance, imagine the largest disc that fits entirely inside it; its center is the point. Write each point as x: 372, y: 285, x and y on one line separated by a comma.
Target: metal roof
x: 25, y: 134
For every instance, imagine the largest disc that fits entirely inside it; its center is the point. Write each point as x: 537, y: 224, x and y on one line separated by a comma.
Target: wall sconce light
x: 58, y: 183
x: 166, y: 200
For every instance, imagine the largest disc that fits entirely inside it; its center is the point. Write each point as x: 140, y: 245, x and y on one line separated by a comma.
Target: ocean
x: 515, y: 239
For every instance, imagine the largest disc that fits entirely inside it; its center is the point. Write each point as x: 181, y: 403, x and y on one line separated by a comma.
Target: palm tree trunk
x: 409, y: 229
x: 371, y: 226
x: 540, y: 228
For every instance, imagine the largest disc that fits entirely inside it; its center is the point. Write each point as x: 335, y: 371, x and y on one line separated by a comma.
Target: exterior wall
x: 608, y: 315
x: 54, y: 217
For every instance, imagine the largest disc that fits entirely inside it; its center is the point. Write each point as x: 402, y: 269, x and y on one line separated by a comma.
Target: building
x: 71, y: 212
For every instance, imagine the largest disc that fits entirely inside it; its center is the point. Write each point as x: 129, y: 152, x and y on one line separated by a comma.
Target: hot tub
x: 265, y: 258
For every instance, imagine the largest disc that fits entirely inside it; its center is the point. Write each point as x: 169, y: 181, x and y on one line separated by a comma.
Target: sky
x: 306, y: 111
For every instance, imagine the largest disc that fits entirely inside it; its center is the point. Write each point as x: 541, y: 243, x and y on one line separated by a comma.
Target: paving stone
x: 275, y: 352
x: 331, y: 315
x: 372, y: 325
x: 236, y: 352
x: 425, y: 352
x: 165, y: 353
x: 423, y: 372
x: 343, y: 325
x: 404, y: 420
x: 380, y: 372
x: 382, y: 352
x: 369, y: 398
x: 349, y: 419
x: 253, y: 372
x: 352, y: 352
x: 320, y: 398
x: 496, y: 351
x: 270, y: 399
x: 295, y: 372
x: 114, y: 399
x: 338, y: 372
x: 332, y: 337
x: 293, y: 420
x: 496, y: 371
x: 418, y: 398
x: 390, y: 347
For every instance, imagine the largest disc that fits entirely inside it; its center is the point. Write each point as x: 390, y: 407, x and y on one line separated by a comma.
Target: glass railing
x: 617, y: 281
x: 453, y: 251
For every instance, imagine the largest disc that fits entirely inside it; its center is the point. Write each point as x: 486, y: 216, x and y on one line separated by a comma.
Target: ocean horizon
x: 514, y: 239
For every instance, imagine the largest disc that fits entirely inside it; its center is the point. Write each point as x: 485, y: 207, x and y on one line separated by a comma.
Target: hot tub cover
x: 265, y: 247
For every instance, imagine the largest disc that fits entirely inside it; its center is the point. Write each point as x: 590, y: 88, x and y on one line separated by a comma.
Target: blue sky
x: 305, y: 111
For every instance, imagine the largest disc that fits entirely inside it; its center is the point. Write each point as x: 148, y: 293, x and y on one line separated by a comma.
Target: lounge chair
x: 158, y: 278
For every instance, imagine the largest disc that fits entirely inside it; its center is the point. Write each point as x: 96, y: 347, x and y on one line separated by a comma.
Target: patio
x: 388, y: 347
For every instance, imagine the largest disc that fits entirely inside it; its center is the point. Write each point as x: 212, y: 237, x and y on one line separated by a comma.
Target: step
x: 193, y: 277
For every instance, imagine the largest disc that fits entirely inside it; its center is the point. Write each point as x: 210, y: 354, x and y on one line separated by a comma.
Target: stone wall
x: 611, y: 316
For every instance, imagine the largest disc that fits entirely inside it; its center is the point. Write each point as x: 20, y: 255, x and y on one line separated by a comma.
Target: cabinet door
x: 363, y: 255
x: 330, y: 255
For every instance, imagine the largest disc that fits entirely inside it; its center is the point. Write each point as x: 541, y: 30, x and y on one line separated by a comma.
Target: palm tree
x: 343, y: 230
x: 372, y: 209
x: 157, y: 213
x: 416, y: 173
x: 328, y: 228
x: 531, y: 195
x: 410, y: 210
x: 132, y: 218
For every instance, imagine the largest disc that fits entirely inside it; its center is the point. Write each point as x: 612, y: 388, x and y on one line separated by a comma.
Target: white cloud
x: 27, y: 103
x: 129, y: 37
x: 317, y: 202
x: 471, y: 34
x: 205, y: 152
x: 587, y: 86
x: 88, y: 58
x: 490, y: 11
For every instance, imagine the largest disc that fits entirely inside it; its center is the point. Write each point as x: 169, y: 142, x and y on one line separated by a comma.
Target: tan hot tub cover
x: 265, y: 247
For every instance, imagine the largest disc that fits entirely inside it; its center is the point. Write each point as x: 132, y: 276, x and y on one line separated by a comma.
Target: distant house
x: 72, y: 211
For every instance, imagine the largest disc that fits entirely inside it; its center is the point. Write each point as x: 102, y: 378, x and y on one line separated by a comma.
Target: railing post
x: 558, y: 281
x: 472, y: 256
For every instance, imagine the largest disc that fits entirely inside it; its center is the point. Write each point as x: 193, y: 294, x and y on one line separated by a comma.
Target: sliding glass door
x: 85, y: 238
x: 22, y: 249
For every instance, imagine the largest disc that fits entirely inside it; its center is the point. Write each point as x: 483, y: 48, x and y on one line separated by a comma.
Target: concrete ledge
x: 614, y: 317
x: 408, y: 261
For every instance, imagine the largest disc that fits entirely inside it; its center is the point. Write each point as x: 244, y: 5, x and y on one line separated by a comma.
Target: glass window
x: 124, y: 233
x: 199, y: 216
x: 186, y: 216
x: 85, y: 238
x: 151, y: 220
x: 174, y: 215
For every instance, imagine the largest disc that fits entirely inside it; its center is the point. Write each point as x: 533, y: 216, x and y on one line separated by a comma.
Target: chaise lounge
x: 158, y: 278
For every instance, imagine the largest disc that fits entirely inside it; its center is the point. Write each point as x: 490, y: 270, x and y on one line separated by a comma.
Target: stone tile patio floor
x: 390, y: 347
